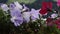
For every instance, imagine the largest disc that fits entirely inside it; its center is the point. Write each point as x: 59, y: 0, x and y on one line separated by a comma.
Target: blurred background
x: 31, y: 3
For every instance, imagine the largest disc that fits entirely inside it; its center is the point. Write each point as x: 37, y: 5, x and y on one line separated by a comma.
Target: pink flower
x: 58, y: 2
x: 57, y: 22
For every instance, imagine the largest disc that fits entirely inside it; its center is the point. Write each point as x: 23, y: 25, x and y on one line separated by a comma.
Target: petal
x: 18, y: 5
x: 12, y: 6
x: 34, y: 14
x: 26, y: 16
x: 54, y: 15
x: 4, y: 7
x: 17, y: 21
x: 15, y: 12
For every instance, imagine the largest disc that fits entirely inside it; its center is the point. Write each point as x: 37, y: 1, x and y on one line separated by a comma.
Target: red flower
x: 43, y: 11
x: 45, y: 5
x: 49, y: 22
x: 57, y: 22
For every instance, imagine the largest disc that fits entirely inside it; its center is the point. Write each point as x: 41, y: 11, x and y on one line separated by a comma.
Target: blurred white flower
x: 43, y: 19
x: 34, y: 14
x: 18, y: 5
x: 54, y: 15
x: 4, y: 7
x: 26, y: 16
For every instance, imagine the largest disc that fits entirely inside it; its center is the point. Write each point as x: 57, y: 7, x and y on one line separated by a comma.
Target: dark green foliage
x: 3, y: 1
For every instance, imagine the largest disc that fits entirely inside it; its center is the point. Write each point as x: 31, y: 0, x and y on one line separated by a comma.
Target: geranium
x: 43, y: 11
x: 45, y: 6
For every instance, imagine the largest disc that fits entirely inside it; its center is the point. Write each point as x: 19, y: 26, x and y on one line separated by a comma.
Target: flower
x: 58, y: 2
x: 15, y: 12
x: 26, y: 16
x: 49, y: 21
x: 54, y: 15
x: 12, y: 6
x: 4, y: 7
x: 25, y: 7
x: 17, y: 20
x: 26, y: 13
x: 44, y: 19
x: 45, y: 6
x: 16, y: 16
x: 18, y: 5
x: 43, y: 11
x: 34, y: 14
x: 57, y: 22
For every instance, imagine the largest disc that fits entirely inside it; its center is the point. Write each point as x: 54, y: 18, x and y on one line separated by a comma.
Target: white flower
x: 34, y: 14
x: 18, y: 5
x: 26, y: 16
x: 54, y: 15
x: 4, y: 7
x: 43, y: 19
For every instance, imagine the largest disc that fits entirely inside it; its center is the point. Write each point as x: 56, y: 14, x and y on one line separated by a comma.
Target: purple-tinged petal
x: 17, y: 20
x: 34, y: 14
x: 18, y: 5
x: 4, y: 7
x: 54, y: 15
x: 26, y: 16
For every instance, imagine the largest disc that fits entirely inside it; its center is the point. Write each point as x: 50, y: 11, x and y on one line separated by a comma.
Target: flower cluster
x: 21, y: 13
